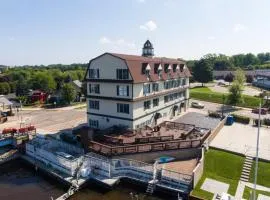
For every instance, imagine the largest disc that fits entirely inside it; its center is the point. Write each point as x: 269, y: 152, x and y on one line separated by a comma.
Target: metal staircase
x: 152, y: 184
x: 77, y: 171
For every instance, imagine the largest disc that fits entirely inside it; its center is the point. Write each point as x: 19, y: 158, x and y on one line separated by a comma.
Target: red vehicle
x: 263, y: 111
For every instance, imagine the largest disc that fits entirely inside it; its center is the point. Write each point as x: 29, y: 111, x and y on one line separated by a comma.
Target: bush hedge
x: 214, y: 114
x: 265, y: 122
x: 241, y: 119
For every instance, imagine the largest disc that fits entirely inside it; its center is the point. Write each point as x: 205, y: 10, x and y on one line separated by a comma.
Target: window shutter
x: 90, y: 88
x: 127, y: 90
x: 117, y: 90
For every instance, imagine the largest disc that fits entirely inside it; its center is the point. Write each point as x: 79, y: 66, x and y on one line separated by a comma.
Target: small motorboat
x: 165, y: 159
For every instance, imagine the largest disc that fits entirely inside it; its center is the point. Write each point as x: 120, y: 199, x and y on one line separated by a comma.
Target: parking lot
x: 48, y: 121
x: 199, y: 120
x: 242, y: 139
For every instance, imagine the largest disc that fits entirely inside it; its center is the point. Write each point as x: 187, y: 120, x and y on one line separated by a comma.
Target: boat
x: 165, y: 159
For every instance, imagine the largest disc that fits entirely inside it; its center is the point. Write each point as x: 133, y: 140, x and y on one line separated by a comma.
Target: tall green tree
x: 68, y: 93
x: 203, y: 71
x: 237, y: 87
x: 22, y: 88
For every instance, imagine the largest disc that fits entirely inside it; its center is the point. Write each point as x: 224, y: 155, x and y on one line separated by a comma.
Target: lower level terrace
x: 166, y: 136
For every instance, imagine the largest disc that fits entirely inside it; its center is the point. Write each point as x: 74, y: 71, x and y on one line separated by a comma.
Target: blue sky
x: 74, y: 31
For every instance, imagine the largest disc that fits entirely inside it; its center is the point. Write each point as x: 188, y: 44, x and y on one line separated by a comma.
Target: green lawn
x: 248, y: 190
x: 263, y: 177
x: 205, y: 94
x: 221, y: 166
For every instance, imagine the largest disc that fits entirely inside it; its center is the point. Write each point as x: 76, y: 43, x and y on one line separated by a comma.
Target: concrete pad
x: 242, y: 139
x: 215, y: 187
x: 263, y: 197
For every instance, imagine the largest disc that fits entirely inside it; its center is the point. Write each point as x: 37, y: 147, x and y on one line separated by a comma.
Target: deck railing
x: 148, y: 147
x: 115, y: 168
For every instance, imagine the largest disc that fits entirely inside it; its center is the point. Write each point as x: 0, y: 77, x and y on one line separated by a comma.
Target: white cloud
x: 105, y: 40
x: 211, y: 37
x: 117, y: 43
x: 239, y: 27
x: 141, y: 1
x: 149, y: 26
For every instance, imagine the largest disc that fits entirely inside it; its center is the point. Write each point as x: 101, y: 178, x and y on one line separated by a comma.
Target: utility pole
x: 223, y: 98
x: 257, y: 154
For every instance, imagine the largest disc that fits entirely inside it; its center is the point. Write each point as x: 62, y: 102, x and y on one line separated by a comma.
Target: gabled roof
x: 78, y: 83
x: 134, y: 64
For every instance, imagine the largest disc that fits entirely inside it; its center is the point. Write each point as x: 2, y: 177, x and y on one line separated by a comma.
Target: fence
x: 113, y: 168
x: 139, y: 148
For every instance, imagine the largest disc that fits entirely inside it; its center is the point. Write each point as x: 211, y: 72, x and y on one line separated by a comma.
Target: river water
x: 19, y: 181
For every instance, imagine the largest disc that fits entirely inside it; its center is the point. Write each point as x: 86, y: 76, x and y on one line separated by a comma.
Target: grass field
x: 263, y: 177
x: 248, y: 190
x: 221, y: 166
x: 205, y: 94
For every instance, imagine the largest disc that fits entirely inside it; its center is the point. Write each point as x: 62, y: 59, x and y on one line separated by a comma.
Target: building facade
x: 134, y: 91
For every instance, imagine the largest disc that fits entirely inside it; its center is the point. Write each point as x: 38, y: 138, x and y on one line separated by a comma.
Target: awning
x: 4, y: 101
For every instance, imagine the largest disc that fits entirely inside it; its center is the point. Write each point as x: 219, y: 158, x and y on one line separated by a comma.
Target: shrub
x: 214, y: 114
x: 266, y: 122
x: 241, y: 119
x: 256, y: 122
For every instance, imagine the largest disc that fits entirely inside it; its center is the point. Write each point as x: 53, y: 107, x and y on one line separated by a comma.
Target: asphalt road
x: 208, y: 106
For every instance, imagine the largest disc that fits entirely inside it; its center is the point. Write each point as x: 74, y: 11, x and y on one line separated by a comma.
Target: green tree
x: 22, y: 88
x: 12, y: 86
x: 250, y: 59
x: 68, y: 93
x: 203, y: 71
x: 4, y: 88
x: 43, y: 81
x: 236, y: 89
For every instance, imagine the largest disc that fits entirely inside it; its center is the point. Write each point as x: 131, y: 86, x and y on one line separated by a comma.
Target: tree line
x: 247, y: 61
x: 49, y: 79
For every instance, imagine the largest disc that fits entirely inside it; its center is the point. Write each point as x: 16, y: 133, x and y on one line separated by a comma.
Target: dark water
x: 19, y: 181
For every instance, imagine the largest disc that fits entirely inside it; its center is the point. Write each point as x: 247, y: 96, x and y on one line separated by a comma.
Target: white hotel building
x: 134, y: 91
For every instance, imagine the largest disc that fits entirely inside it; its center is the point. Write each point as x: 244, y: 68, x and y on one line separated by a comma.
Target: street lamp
x: 257, y: 154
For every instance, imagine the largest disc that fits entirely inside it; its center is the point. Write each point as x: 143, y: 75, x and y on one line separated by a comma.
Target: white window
x: 122, y: 74
x: 94, y: 105
x: 122, y: 90
x: 94, y: 73
x: 146, y: 89
x: 93, y: 123
x: 123, y: 108
x: 94, y: 88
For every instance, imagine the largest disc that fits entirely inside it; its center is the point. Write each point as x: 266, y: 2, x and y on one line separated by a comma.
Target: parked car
x: 263, y: 111
x: 197, y: 105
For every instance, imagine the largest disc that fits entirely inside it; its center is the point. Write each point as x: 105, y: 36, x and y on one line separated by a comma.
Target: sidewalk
x: 241, y: 187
